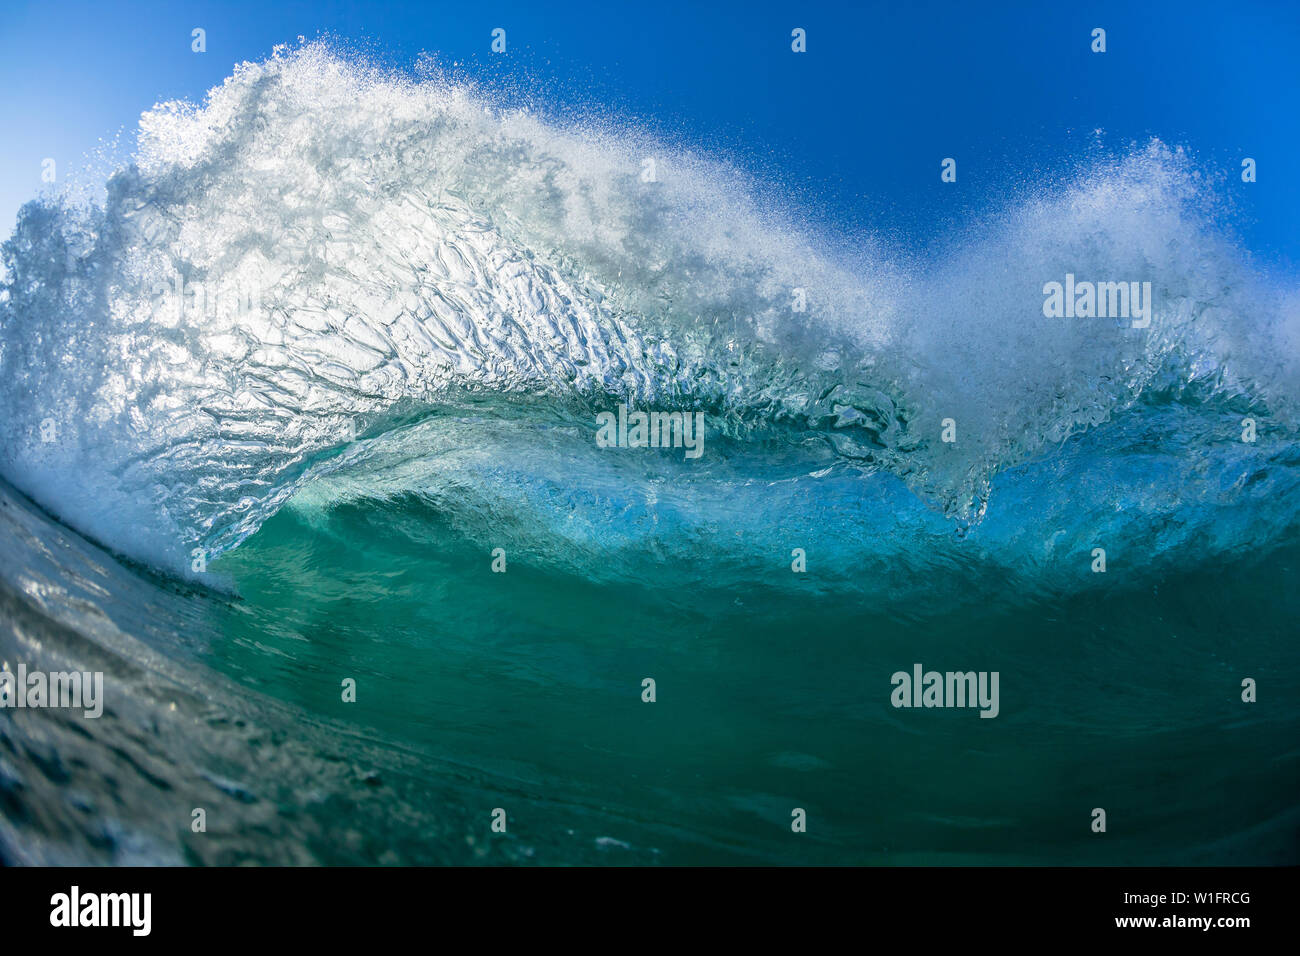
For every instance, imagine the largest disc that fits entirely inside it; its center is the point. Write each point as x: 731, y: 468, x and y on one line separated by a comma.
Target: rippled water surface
x: 338, y: 337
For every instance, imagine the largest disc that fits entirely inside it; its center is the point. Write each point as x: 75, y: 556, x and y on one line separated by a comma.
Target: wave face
x: 366, y: 309
x: 321, y: 245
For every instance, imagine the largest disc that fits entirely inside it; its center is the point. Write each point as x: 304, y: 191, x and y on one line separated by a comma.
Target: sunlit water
x: 420, y: 302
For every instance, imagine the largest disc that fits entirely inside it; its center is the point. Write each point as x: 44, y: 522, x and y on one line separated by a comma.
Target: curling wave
x: 329, y: 270
x: 364, y: 324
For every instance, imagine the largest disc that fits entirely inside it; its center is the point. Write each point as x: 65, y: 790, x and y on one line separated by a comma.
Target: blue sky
x: 855, y: 128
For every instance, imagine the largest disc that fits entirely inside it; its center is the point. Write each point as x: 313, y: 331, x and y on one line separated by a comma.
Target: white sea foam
x: 415, y: 244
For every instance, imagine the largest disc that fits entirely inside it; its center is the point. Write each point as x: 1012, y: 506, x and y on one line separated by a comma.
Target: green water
x: 776, y: 697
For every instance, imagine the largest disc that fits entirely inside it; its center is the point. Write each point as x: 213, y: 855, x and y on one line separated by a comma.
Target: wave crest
x: 371, y: 248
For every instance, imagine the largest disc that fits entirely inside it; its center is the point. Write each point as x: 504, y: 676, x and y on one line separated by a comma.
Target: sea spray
x: 428, y: 275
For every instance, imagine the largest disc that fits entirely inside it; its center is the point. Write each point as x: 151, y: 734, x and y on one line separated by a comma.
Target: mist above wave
x: 367, y: 244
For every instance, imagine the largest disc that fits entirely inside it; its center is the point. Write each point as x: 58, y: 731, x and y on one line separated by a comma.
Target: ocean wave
x: 394, y: 275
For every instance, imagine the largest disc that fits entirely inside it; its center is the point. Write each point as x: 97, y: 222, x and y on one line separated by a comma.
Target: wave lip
x: 322, y: 249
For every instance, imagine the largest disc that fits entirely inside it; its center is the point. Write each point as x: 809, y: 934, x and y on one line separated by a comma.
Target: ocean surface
x: 308, y: 399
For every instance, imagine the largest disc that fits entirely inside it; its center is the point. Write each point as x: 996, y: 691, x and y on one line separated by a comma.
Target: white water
x: 415, y: 244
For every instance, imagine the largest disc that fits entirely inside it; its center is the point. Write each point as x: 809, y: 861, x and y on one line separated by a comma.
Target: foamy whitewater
x: 416, y: 300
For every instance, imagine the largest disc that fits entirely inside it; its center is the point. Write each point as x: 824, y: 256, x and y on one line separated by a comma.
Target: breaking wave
x: 363, y: 324
x: 329, y: 275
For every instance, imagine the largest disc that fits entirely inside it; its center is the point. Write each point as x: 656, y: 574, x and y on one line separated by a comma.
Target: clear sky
x: 856, y: 127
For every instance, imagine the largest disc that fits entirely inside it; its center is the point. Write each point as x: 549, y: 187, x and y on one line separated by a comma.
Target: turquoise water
x: 366, y: 456
x: 771, y: 697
